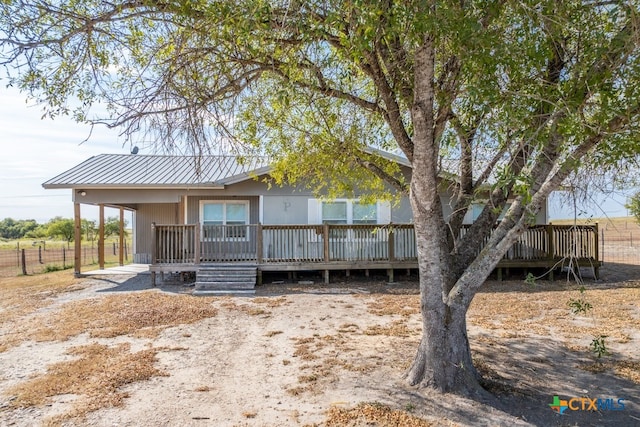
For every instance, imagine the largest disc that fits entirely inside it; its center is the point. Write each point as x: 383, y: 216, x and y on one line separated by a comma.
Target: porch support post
x: 196, y: 243
x: 77, y: 237
x: 101, y: 238
x: 121, y: 251
x: 154, y: 252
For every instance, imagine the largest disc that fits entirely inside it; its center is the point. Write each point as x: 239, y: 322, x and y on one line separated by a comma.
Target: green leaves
x: 525, y: 82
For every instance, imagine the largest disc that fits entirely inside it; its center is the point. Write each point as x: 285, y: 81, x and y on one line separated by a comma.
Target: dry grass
x: 543, y: 309
x: 271, y: 302
x: 388, y: 305
x: 95, y: 376
x: 504, y: 310
x: 256, y: 306
x: 625, y: 369
x: 397, y: 328
x: 142, y: 314
x: 24, y: 295
x: 98, y: 372
x: 249, y: 414
x: 372, y: 414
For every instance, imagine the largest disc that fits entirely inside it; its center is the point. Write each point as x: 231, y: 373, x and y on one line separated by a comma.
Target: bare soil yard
x: 112, y: 351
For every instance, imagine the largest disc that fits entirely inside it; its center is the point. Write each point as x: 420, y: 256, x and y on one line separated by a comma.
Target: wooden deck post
x: 77, y: 235
x: 154, y: 252
x: 392, y: 244
x: 121, y: 251
x: 325, y: 237
x: 101, y: 238
x: 196, y: 242
x: 259, y: 243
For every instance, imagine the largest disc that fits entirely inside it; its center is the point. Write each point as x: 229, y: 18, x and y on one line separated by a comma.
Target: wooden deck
x: 181, y: 248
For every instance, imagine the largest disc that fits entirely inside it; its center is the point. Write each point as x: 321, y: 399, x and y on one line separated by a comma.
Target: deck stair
x: 225, y: 279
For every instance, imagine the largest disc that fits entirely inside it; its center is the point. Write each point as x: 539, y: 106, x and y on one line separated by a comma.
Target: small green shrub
x: 50, y: 268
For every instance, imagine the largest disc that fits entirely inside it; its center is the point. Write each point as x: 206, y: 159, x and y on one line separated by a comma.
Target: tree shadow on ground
x: 526, y: 373
x: 524, y: 376
x: 140, y: 282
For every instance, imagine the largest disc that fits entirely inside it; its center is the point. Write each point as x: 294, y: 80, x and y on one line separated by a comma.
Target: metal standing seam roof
x: 136, y: 170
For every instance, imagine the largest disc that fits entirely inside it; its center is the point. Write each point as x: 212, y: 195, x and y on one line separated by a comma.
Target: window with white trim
x: 221, y: 218
x: 364, y: 213
x: 334, y: 212
x: 349, y: 212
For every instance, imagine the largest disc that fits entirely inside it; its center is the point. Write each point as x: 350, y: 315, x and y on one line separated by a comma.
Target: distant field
x: 47, y: 255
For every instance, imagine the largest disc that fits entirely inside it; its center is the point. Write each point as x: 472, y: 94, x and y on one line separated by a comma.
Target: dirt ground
x: 112, y: 351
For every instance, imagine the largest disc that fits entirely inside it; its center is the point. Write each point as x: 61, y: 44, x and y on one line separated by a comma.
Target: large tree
x: 507, y: 95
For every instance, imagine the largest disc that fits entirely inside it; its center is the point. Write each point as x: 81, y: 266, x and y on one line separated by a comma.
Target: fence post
x: 24, y: 263
x: 601, y: 254
x: 64, y: 257
x: 40, y: 254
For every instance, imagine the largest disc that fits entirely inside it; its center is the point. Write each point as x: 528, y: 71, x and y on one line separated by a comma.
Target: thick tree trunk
x: 443, y: 360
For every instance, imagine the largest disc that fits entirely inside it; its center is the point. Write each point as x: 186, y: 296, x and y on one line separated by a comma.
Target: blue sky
x: 35, y: 149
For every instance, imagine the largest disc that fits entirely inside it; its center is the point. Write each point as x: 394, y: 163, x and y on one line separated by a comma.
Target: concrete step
x: 225, y: 285
x: 226, y: 273
x: 226, y: 265
x: 220, y: 279
x: 210, y: 279
x: 217, y: 292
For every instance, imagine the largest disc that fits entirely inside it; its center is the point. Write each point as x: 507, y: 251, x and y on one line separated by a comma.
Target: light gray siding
x: 147, y: 214
x: 401, y: 211
x: 281, y: 210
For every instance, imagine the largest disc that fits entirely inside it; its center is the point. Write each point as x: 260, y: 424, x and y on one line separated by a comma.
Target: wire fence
x: 43, y: 257
x: 620, y: 246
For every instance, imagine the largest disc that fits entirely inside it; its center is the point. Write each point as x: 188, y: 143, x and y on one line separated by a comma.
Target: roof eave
x: 207, y: 186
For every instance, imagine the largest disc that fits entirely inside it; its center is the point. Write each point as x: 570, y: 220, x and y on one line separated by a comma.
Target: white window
x: 224, y: 219
x: 365, y: 213
x: 350, y: 212
x: 334, y: 212
x: 347, y: 211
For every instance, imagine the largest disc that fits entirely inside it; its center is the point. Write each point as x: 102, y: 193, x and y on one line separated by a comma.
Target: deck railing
x: 371, y: 243
x: 175, y: 244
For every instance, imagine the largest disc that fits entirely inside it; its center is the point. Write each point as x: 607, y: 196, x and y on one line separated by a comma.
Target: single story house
x: 218, y: 216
